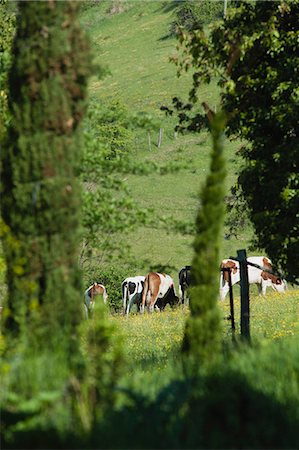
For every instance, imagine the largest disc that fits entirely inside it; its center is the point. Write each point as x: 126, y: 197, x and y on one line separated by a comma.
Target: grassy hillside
x: 135, y: 46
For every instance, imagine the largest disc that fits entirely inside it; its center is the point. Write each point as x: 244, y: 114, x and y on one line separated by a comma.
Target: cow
x: 259, y: 276
x: 158, y: 291
x: 184, y: 283
x: 131, y: 289
x: 90, y: 294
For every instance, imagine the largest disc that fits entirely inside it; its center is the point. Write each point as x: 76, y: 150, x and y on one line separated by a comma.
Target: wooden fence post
x: 160, y: 137
x: 245, y: 318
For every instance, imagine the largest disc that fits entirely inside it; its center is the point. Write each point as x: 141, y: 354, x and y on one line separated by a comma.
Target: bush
x: 191, y: 15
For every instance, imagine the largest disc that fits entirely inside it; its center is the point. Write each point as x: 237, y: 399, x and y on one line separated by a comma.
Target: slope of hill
x: 135, y: 45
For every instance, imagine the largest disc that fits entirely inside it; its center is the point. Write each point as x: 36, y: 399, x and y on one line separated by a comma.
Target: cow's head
x: 228, y: 264
x: 279, y: 284
x: 174, y: 300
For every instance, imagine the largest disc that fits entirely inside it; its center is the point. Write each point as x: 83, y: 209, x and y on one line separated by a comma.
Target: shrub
x: 191, y: 15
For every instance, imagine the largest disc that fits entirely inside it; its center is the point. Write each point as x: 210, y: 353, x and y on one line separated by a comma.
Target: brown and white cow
x: 158, y: 290
x: 256, y: 275
x: 90, y: 294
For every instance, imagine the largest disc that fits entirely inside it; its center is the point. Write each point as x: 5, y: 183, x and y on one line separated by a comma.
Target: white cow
x: 131, y: 292
x: 256, y: 276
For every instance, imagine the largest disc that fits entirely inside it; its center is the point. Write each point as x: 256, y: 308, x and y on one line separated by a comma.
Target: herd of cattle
x: 156, y: 290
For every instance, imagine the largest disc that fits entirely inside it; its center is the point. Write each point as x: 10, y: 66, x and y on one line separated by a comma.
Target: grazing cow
x: 261, y: 277
x: 158, y: 291
x: 131, y: 292
x: 184, y: 283
x: 90, y: 294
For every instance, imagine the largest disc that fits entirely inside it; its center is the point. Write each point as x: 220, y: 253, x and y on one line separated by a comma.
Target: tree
x: 202, y: 333
x: 7, y: 20
x: 254, y: 55
x: 190, y: 15
x: 108, y: 208
x: 110, y: 212
x: 41, y: 197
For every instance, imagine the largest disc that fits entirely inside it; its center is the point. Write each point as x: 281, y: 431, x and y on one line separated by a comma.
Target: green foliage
x: 45, y: 403
x: 40, y: 193
x: 33, y: 392
x: 234, y: 397
x: 103, y: 360
x: 108, y: 124
x: 7, y: 30
x: 254, y: 55
x: 237, y: 218
x: 191, y: 15
x: 202, y: 341
x: 87, y: 4
x: 111, y: 277
x: 108, y: 208
x: 235, y: 404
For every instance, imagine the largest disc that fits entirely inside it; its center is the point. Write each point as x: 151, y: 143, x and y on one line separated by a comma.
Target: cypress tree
x: 41, y: 197
x: 201, y: 342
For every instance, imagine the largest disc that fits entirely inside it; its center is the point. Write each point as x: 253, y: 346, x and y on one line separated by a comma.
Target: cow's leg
x: 185, y: 298
x: 224, y: 291
x: 183, y: 295
x: 132, y: 300
x: 263, y: 287
x: 144, y: 295
x: 129, y: 304
x: 124, y: 289
x: 138, y: 301
x: 260, y: 288
x: 154, y: 297
x: 186, y: 301
x: 85, y: 311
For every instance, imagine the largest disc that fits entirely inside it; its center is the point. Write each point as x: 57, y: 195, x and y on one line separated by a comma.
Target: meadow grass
x: 155, y: 339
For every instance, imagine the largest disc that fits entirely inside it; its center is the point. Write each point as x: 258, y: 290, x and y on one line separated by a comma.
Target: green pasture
x: 135, y: 46
x: 153, y: 340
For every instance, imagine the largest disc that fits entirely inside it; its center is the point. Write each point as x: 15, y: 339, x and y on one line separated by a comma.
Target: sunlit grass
x: 271, y: 317
x: 152, y: 338
x: 155, y: 339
